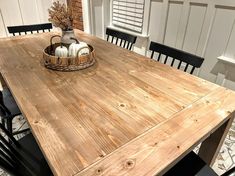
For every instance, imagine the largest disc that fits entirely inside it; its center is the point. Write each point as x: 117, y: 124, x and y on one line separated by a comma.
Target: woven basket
x: 67, y: 63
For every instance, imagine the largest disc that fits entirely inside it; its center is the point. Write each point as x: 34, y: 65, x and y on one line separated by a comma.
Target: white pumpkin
x: 85, y: 49
x: 61, y: 51
x: 75, y: 47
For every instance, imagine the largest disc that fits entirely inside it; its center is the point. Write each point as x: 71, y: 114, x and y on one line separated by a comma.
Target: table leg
x: 211, y: 146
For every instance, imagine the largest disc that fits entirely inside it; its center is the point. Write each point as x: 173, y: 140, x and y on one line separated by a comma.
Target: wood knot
x: 99, y: 171
x: 101, y: 155
x: 130, y: 163
x: 178, y: 146
x: 207, y: 101
x: 36, y: 121
x: 122, y: 105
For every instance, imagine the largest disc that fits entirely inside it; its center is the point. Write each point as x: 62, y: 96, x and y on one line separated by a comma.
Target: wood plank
x: 157, y: 150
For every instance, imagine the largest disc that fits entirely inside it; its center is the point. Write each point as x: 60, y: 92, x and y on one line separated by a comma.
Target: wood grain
x: 101, y: 116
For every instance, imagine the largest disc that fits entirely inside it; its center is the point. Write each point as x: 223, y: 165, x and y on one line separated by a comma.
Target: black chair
x: 126, y: 40
x: 9, y: 110
x: 183, y: 57
x: 29, y: 28
x: 22, y: 157
x: 193, y: 165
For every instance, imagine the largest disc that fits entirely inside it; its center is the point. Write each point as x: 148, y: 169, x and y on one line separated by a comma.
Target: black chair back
x: 3, y: 109
x: 122, y: 39
x: 176, y: 54
x: 10, y: 159
x: 230, y: 172
x: 29, y: 28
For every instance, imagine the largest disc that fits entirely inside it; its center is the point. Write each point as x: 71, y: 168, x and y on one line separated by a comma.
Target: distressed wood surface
x: 116, y: 117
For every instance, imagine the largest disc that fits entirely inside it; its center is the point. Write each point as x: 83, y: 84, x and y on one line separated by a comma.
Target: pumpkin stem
x: 74, y: 40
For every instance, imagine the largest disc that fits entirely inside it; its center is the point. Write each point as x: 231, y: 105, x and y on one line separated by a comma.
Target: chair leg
x: 9, y: 126
x: 3, y: 122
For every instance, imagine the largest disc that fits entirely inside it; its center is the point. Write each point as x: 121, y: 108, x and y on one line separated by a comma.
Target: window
x: 128, y: 14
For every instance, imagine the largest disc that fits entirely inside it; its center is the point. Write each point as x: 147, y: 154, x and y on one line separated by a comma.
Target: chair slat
x: 176, y: 54
x: 165, y: 59
x: 131, y: 46
x: 128, y: 45
x: 159, y: 56
x: 107, y: 38
x: 172, y: 63
x: 6, y: 154
x: 124, y: 37
x: 9, y: 135
x: 7, y: 166
x: 112, y: 39
x: 152, y: 54
x: 192, y: 70
x: 121, y: 42
x: 179, y: 65
x: 29, y: 28
x: 186, y: 67
x: 116, y: 41
x: 124, y: 46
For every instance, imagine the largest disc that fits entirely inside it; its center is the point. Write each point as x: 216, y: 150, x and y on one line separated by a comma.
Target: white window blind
x: 128, y: 14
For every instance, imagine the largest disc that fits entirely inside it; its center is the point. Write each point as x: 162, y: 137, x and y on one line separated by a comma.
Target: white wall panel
x: 173, y: 21
x: 23, y: 12
x: 43, y: 6
x: 155, y: 20
x: 11, y: 12
x: 97, y: 18
x: 29, y: 11
x: 230, y: 50
x: 194, y: 27
x: 2, y: 26
x: 219, y: 36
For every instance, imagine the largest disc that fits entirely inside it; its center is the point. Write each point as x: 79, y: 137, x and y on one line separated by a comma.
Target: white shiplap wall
x: 20, y: 12
x: 202, y: 27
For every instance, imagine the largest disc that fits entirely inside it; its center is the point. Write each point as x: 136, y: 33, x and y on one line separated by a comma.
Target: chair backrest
x: 3, y: 109
x: 176, y: 54
x: 10, y: 159
x: 122, y: 39
x: 230, y: 172
x: 29, y: 28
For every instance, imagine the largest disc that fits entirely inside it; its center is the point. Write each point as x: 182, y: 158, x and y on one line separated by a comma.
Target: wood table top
x: 126, y: 115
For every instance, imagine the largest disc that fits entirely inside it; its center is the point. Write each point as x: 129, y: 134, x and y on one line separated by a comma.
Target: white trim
x: 226, y: 60
x: 128, y: 31
x: 86, y: 16
x: 4, y: 25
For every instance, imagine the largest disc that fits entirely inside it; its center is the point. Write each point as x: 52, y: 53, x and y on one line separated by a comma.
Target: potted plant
x: 61, y: 16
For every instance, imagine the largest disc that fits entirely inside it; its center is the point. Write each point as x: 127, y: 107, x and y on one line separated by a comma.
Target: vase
x: 66, y: 37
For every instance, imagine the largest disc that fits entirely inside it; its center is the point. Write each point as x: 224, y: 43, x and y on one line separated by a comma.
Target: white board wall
x: 23, y: 12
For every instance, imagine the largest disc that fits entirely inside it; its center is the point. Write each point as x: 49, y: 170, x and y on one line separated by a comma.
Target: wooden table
x: 126, y: 115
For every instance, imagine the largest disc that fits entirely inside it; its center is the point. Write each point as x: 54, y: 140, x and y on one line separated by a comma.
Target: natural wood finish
x: 125, y: 115
x: 156, y: 150
x: 211, y: 146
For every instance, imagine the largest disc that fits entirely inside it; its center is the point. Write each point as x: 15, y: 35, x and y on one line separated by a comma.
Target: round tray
x: 67, y: 63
